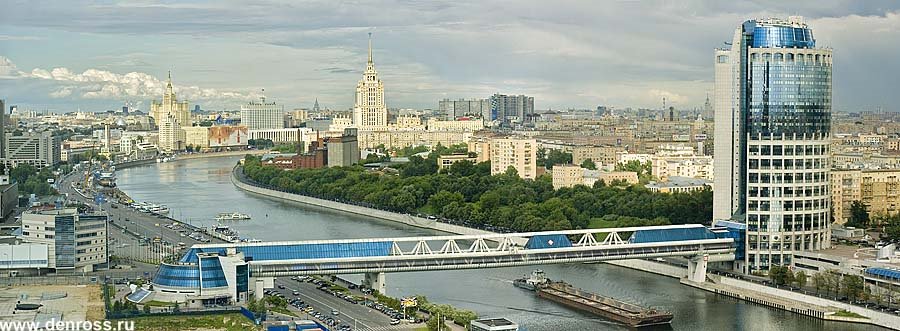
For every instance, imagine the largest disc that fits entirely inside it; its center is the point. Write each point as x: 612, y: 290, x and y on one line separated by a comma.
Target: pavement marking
x: 327, y: 306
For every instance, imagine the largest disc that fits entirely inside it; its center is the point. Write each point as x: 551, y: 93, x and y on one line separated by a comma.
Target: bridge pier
x: 260, y: 284
x: 375, y: 281
x: 697, y: 268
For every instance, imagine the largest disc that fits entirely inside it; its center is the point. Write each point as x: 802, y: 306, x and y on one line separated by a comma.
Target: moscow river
x: 196, y: 190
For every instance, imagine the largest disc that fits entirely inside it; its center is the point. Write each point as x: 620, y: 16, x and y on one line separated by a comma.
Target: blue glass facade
x: 299, y: 251
x: 178, y: 276
x: 790, y: 93
x: 660, y: 235
x: 776, y: 36
x: 65, y: 241
x: 211, y: 273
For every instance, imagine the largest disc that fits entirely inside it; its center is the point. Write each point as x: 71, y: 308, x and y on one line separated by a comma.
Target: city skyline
x: 623, y: 54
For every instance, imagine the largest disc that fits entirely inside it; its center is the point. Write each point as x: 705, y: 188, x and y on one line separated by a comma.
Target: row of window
x: 776, y: 178
x: 778, y: 150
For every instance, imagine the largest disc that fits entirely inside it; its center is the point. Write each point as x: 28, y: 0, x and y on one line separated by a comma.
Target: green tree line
x: 468, y: 193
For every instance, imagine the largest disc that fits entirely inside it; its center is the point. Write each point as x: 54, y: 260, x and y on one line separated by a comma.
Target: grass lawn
x: 155, y: 303
x: 225, y: 322
x: 283, y: 311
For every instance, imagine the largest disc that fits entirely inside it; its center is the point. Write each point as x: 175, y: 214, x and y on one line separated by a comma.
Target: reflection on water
x: 196, y: 190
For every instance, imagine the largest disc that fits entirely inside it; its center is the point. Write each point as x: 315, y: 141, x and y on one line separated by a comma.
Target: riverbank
x: 192, y: 156
x: 243, y: 183
x: 742, y: 290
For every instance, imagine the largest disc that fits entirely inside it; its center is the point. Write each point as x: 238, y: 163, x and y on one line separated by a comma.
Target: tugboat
x: 532, y: 283
x: 570, y: 296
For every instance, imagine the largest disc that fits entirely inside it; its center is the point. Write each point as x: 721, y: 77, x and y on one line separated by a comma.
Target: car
x: 335, y: 312
x: 280, y: 287
x: 296, y: 293
x: 395, y: 321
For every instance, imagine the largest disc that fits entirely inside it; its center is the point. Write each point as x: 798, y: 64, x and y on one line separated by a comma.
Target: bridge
x: 215, y: 270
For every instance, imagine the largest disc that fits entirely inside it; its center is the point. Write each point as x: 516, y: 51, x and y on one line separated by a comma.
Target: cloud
x: 102, y: 84
x: 7, y: 68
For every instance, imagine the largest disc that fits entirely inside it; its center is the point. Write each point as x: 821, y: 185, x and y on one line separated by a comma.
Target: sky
x: 96, y: 55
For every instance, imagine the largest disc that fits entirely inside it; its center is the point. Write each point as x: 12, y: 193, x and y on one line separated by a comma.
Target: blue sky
x: 93, y: 55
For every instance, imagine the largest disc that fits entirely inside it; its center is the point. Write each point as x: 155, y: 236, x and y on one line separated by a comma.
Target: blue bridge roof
x: 276, y: 251
x: 884, y: 273
x: 660, y: 235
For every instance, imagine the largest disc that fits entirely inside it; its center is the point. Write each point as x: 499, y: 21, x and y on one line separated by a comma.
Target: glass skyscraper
x: 773, y: 122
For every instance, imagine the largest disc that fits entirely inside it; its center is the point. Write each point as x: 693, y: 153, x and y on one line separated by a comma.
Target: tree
x: 553, y: 157
x: 588, y: 164
x: 800, y: 278
x: 859, y: 216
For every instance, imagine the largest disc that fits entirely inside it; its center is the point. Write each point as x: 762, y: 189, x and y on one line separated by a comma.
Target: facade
x: 171, y: 135
x: 878, y: 190
x: 315, y: 157
x: 462, y: 124
x: 464, y: 107
x: 519, y: 153
x: 445, y: 161
x: 196, y: 136
x: 76, y: 242
x: 600, y: 155
x: 287, y: 135
x: 228, y: 137
x: 404, y: 138
x: 170, y: 106
x: 677, y: 184
x: 2, y: 129
x: 37, y: 149
x: 493, y: 324
x: 773, y: 123
x: 343, y: 151
x: 682, y: 166
x: 369, y: 111
x: 568, y: 175
x: 511, y: 108
x: 262, y: 115
x: 9, y: 196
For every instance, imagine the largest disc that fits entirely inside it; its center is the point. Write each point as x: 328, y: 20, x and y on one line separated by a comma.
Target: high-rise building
x: 511, y: 108
x: 369, y: 112
x: 772, y: 128
x: 171, y: 136
x: 170, y: 105
x: 463, y: 107
x: 262, y: 115
x: 343, y: 151
x: 39, y: 149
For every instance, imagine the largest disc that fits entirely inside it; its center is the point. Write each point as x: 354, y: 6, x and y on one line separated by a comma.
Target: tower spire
x: 370, y: 47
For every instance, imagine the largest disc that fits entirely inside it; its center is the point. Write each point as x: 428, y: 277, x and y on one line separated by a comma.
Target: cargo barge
x: 568, y: 295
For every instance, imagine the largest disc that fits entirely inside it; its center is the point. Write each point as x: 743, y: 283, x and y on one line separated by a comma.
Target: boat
x: 232, y: 217
x: 568, y: 295
x: 224, y: 232
x: 531, y: 283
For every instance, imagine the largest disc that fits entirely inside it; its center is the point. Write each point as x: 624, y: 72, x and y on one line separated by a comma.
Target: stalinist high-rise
x: 369, y: 111
x: 170, y: 106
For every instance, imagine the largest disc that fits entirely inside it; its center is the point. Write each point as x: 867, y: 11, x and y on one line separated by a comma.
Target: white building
x: 369, y: 111
x: 170, y: 106
x: 75, y: 242
x: 519, y: 153
x: 262, y: 115
x: 171, y: 136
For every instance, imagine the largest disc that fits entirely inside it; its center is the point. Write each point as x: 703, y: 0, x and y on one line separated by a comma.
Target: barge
x: 609, y: 308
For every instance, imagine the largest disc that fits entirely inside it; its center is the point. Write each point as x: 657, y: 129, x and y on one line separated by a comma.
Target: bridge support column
x: 375, y: 281
x: 260, y: 284
x: 697, y: 268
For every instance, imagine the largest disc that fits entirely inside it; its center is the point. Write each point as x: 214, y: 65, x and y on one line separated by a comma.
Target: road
x: 358, y: 316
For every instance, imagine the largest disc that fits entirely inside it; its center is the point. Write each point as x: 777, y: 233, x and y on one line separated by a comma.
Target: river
x: 196, y: 190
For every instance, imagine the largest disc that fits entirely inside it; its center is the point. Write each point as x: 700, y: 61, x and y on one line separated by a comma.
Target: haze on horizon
x: 93, y: 55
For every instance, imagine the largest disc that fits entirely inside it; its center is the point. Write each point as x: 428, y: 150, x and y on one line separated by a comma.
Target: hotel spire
x: 370, y: 47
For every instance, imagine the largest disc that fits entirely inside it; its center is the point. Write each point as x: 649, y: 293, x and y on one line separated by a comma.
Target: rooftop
x: 676, y: 181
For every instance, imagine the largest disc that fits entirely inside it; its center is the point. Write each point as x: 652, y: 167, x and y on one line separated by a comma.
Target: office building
x: 285, y: 136
x: 464, y: 107
x: 343, y: 151
x: 197, y: 137
x: 76, y: 242
x: 9, y: 196
x: 600, y: 155
x: 518, y: 153
x: 39, y: 149
x: 170, y: 106
x: 369, y: 111
x: 773, y: 122
x: 262, y: 115
x: 511, y: 108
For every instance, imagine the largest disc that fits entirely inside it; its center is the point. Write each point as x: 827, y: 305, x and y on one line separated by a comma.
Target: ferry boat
x: 568, y: 295
x: 232, y: 217
x: 224, y: 232
x: 532, y: 283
